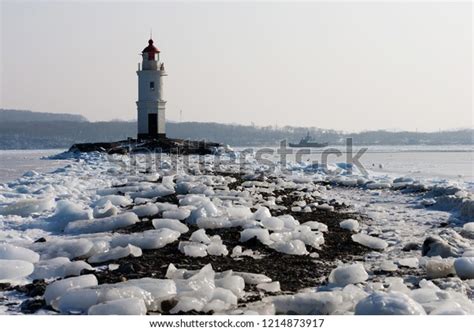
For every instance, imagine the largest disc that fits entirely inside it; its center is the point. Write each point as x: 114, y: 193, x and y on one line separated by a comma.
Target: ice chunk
x: 193, y: 249
x: 239, y: 212
x: 58, y: 267
x: 207, y: 209
x: 323, y: 303
x: 314, y: 239
x: 449, y: 308
x: 396, y: 284
x: 111, y: 292
x: 269, y: 287
x: 128, y: 306
x: 253, y: 279
x: 292, y: 247
x: 159, y: 289
x: 165, y: 206
x: 262, y: 213
x: 410, y: 262
x: 388, y: 266
x: 217, y: 248
x: 468, y: 230
x: 273, y: 223
x: 200, y: 286
x: 256, y: 308
x: 67, y: 211
x: 232, y: 282
x: 102, y: 224
x: 75, y: 268
x: 116, y: 200
x: 224, y: 295
x: 30, y: 173
x: 216, y: 306
x: 150, y: 239
x: 158, y: 191
x: 146, y: 210
x: 51, y: 268
x: 70, y: 248
x: 116, y: 253
x: 378, y: 185
x: 325, y: 207
x: 468, y: 227
x: 348, y: 274
x: 468, y: 253
x: 193, y: 199
x: 14, y: 269
x: 314, y: 225
x: 217, y: 222
x: 10, y: 252
x: 186, y: 304
x: 369, y: 241
x: 350, y: 225
x: 105, y: 210
x: 260, y: 234
x: 60, y: 287
x: 77, y: 301
x: 425, y: 296
x: 200, y: 236
x: 393, y: 303
x: 464, y: 267
x: 289, y: 222
x: 160, y: 223
x: 26, y: 207
x: 179, y: 214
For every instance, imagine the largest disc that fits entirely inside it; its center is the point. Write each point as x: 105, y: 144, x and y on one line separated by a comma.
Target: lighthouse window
x: 152, y: 86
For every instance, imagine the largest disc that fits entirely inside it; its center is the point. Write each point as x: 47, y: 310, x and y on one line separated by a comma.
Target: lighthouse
x: 150, y: 104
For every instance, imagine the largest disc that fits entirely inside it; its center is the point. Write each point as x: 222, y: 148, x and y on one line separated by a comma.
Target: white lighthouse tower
x: 150, y: 104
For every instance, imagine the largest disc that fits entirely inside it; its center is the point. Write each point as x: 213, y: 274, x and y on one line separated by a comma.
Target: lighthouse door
x: 152, y: 124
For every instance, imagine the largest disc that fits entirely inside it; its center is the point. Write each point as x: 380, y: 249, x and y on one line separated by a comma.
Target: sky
x: 347, y: 66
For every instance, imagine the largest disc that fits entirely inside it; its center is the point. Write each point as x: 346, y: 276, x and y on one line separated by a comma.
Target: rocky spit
x: 107, y: 235
x: 162, y: 145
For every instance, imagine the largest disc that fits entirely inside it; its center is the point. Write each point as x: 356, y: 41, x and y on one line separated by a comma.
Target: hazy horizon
x: 344, y: 66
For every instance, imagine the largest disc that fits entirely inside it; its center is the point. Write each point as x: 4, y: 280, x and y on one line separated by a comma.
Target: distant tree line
x: 62, y: 134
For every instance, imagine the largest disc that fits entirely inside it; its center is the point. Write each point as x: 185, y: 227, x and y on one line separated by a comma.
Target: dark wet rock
x: 127, y: 268
x: 31, y: 306
x: 171, y: 198
x: 159, y: 145
x: 411, y: 247
x: 292, y: 271
x: 5, y: 286
x: 137, y: 227
x: 433, y: 246
x: 167, y: 305
x: 34, y: 289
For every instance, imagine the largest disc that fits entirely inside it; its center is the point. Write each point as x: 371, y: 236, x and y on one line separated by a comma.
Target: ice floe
x: 102, y: 224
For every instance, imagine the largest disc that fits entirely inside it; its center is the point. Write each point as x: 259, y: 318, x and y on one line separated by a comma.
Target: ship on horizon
x: 307, y: 142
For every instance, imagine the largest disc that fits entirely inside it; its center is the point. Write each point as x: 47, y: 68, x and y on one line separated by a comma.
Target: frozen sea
x: 448, y: 162
x: 14, y: 163
x: 454, y: 162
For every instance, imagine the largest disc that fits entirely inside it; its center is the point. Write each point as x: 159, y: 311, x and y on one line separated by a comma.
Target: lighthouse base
x: 147, y: 136
x: 147, y: 144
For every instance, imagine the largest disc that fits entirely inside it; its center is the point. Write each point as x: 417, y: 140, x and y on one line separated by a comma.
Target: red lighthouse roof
x: 150, y: 49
